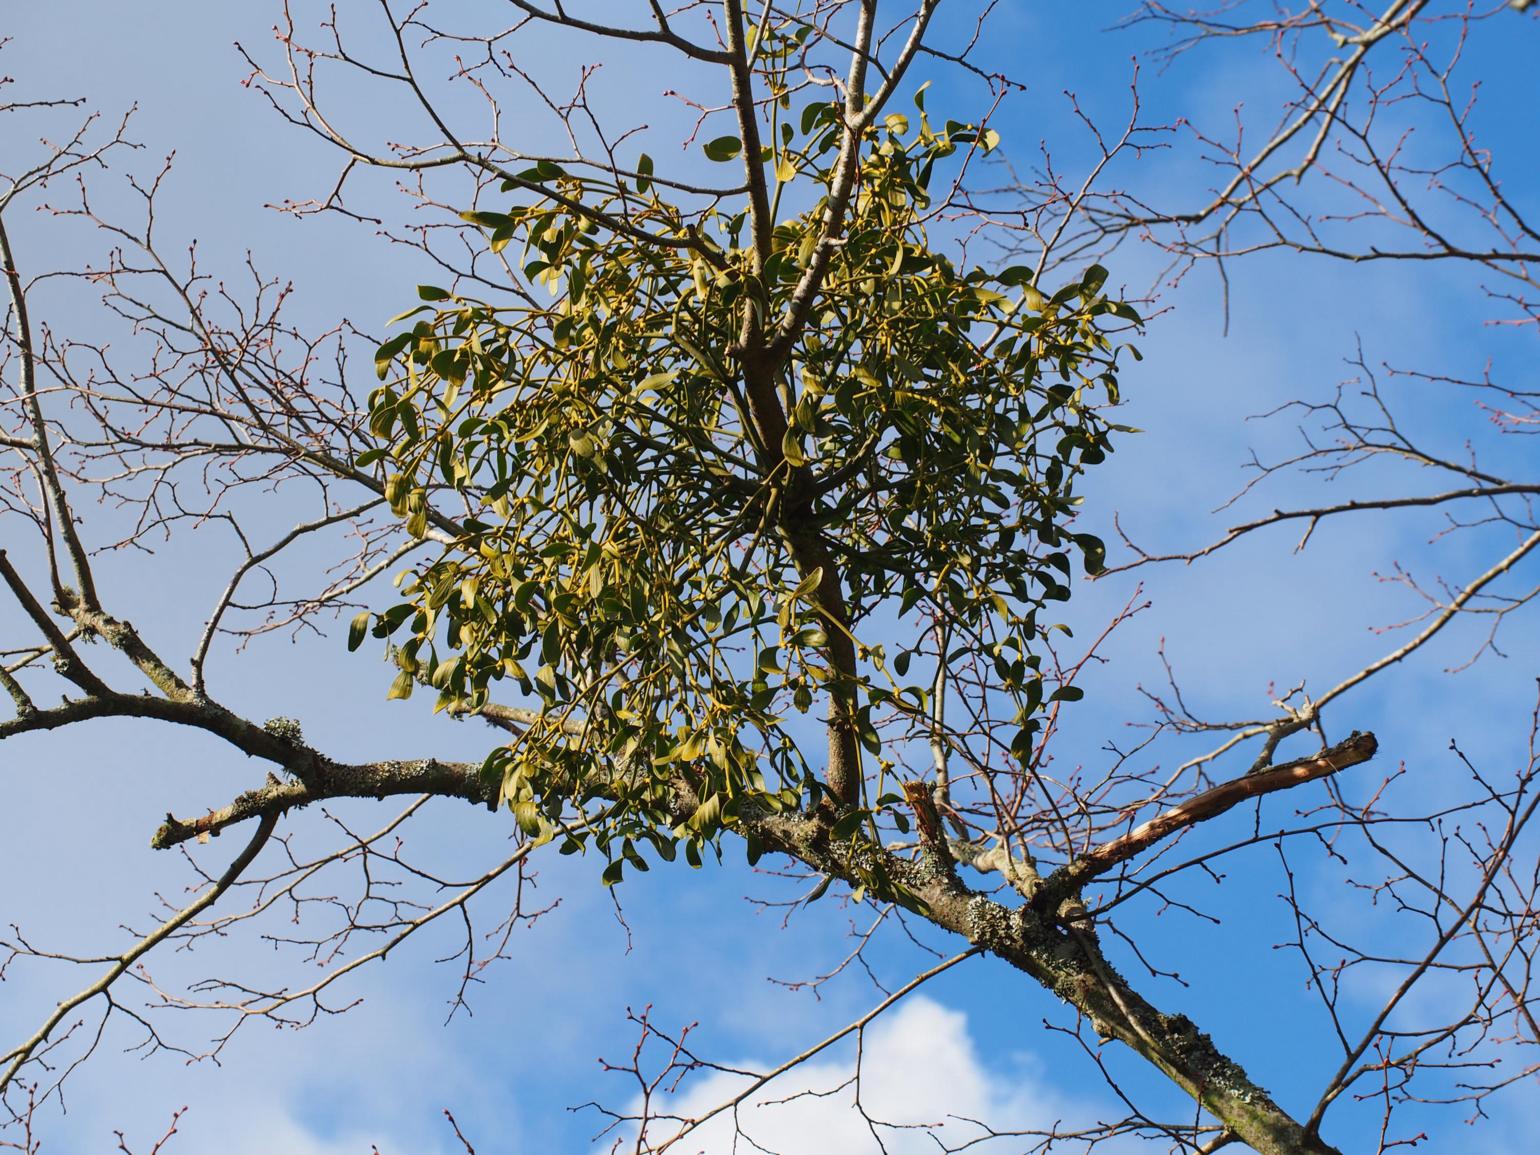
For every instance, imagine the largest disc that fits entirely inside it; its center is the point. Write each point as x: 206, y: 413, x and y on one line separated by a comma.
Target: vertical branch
x: 48, y: 473
x: 841, y: 185
x: 942, y: 791
x: 748, y: 131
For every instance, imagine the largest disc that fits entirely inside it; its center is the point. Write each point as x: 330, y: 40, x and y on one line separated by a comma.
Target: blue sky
x: 697, y: 951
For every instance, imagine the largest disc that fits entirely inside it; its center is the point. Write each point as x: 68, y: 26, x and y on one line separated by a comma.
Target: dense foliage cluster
x: 630, y: 551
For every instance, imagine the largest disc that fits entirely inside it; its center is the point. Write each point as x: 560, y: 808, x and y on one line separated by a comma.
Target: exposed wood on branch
x: 1210, y: 804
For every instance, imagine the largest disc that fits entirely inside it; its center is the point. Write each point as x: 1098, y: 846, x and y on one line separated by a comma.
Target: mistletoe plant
x: 727, y: 472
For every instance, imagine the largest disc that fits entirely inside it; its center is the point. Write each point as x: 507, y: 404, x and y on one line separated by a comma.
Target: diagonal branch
x: 1068, y: 879
x: 18, y: 1056
x: 66, y: 660
x: 1029, y: 937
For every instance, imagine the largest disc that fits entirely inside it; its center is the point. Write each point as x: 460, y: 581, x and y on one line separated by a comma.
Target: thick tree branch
x: 1029, y: 937
x: 1069, y: 964
x: 334, y: 780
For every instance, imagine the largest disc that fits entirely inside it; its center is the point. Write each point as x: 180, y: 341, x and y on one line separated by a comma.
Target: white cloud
x: 922, y: 1077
